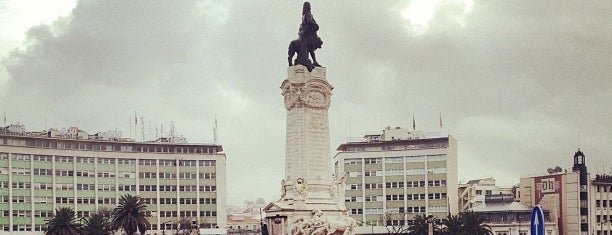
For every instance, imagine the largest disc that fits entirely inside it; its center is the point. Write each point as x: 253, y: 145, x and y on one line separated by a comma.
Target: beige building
x: 41, y: 171
x: 400, y: 173
x: 564, y: 195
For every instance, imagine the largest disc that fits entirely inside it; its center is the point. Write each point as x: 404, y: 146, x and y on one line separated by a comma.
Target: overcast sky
x: 520, y: 84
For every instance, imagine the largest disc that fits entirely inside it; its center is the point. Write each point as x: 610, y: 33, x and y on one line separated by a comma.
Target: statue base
x: 312, y: 201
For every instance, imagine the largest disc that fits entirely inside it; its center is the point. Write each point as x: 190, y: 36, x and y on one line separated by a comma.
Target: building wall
x: 601, y: 204
x: 399, y: 182
x: 191, y: 184
x: 559, y: 194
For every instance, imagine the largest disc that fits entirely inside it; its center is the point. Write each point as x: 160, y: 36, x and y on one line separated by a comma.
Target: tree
x: 474, y: 223
x: 129, y: 215
x: 420, y: 226
x: 63, y: 222
x: 96, y: 224
x: 452, y: 225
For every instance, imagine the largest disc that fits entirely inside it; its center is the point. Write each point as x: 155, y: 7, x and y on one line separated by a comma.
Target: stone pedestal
x: 311, y: 199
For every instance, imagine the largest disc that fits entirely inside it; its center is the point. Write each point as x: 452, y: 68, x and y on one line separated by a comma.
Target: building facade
x: 41, y: 171
x: 397, y: 175
x: 601, y: 204
x: 508, y: 217
x: 473, y: 192
x: 565, y: 195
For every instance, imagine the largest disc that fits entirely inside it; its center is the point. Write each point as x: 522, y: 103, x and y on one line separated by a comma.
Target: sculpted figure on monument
x: 283, y: 189
x: 300, y: 189
x: 308, y: 41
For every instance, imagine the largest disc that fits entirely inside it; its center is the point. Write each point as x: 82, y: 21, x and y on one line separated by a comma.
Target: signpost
x: 537, y: 221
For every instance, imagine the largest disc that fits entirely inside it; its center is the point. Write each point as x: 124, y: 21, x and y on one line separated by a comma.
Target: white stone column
x: 307, y: 157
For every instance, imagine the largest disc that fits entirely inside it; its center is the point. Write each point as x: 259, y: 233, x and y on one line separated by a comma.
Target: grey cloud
x: 517, y: 82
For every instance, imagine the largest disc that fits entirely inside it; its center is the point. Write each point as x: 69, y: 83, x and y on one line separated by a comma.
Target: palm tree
x: 474, y: 223
x: 452, y: 225
x: 420, y: 226
x: 130, y: 214
x: 63, y: 222
x: 96, y: 224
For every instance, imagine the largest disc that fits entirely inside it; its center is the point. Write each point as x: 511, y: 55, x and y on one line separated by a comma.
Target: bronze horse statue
x: 308, y: 41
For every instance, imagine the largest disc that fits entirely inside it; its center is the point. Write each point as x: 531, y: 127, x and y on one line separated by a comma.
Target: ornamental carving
x: 319, y: 225
x: 314, y: 93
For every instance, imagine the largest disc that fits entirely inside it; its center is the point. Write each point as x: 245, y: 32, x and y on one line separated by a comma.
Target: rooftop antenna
x: 172, y: 129
x: 135, y: 126
x: 142, y: 127
x: 215, y: 131
x: 162, y: 129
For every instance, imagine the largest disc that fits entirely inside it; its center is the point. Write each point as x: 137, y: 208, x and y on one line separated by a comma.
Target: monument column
x: 307, y: 159
x: 310, y: 203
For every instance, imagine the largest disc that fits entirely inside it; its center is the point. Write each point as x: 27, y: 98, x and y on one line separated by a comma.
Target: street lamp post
x: 430, y: 224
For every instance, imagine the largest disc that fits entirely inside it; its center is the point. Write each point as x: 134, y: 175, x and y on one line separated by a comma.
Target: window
x: 208, y: 201
x: 90, y: 160
x: 395, y: 197
x: 208, y: 175
x: 478, y: 192
x: 167, y: 175
x: 21, y: 185
x: 373, y: 186
x: 394, y: 184
x: 187, y: 175
x: 20, y: 171
x: 356, y: 211
x: 106, y: 174
x: 147, y: 162
x: 108, y: 161
x: 207, y: 163
x: 42, y: 158
x: 148, y: 175
x: 187, y: 163
x: 373, y: 160
x: 20, y: 157
x: 355, y: 186
x: 127, y: 175
x: 208, y: 188
x: 188, y: 188
x: 167, y: 162
x: 106, y: 200
x: 148, y: 188
x: 167, y: 188
x: 123, y: 187
x: 38, y: 171
x: 86, y: 187
x: 106, y: 187
x: 63, y: 159
x: 126, y: 161
x: 85, y: 174
x: 352, y: 161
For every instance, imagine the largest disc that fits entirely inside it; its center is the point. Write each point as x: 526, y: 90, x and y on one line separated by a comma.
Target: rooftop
x: 77, y: 139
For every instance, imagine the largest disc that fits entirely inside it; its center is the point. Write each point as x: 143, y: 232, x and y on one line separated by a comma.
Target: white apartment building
x: 41, y: 171
x: 601, y: 204
x: 472, y: 193
x: 398, y: 173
